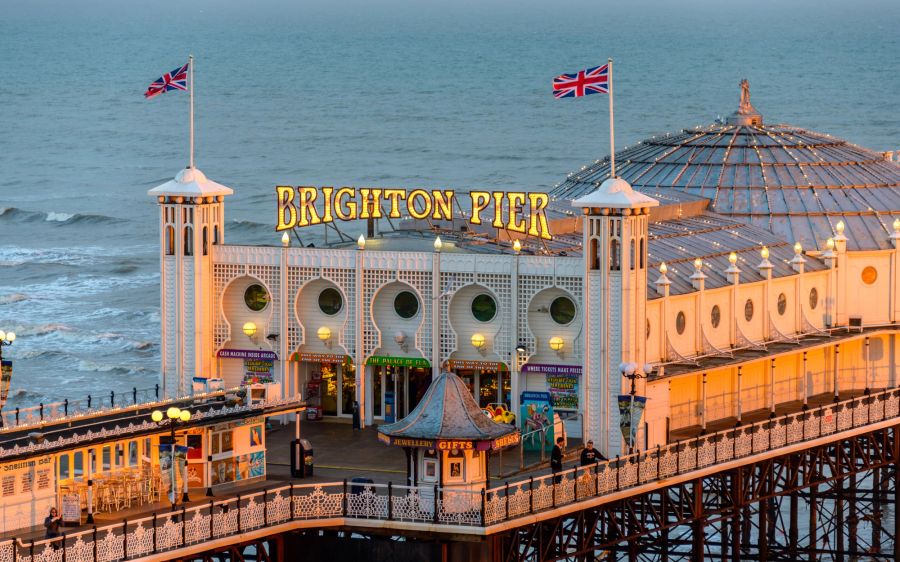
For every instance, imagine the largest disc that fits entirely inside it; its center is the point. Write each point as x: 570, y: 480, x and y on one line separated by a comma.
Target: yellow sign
x: 515, y: 211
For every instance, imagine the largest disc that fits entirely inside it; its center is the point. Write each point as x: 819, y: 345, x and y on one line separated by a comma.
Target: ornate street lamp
x: 173, y: 416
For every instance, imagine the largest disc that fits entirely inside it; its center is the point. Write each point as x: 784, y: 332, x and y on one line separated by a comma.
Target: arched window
x: 215, y: 234
x: 205, y: 241
x: 642, y: 253
x: 632, y: 254
x: 188, y: 241
x: 595, y: 254
x: 170, y: 240
x: 614, y: 263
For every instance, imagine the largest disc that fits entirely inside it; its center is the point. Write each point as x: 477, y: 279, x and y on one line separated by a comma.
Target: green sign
x: 398, y: 361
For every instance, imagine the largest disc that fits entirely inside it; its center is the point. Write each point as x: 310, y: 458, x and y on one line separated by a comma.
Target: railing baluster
x: 390, y: 503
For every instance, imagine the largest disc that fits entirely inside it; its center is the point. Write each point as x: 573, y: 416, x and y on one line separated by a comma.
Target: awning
x: 475, y: 364
x: 247, y: 354
x: 398, y: 361
x: 550, y: 369
x: 320, y: 357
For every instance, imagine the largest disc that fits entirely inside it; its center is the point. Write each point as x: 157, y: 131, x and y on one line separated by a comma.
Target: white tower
x: 191, y: 222
x: 615, y: 230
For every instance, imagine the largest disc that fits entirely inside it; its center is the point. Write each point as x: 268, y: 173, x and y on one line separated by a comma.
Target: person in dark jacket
x: 556, y: 460
x: 52, y: 524
x: 590, y: 455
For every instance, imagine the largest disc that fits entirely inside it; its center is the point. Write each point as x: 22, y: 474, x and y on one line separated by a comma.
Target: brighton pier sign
x: 516, y: 211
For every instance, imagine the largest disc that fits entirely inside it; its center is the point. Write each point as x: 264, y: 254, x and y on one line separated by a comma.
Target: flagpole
x: 191, y: 117
x: 612, y: 126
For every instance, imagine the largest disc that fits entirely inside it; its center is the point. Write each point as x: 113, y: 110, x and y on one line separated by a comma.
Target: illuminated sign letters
x: 515, y: 211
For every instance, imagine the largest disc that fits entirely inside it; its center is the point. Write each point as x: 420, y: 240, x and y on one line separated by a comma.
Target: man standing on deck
x: 590, y: 455
x: 556, y: 460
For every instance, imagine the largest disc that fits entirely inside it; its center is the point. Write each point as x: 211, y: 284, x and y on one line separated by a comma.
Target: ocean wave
x: 87, y: 366
x: 15, y: 214
x: 13, y: 298
x: 42, y: 329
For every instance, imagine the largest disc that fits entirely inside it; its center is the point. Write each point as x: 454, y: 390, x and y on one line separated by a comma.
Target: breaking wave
x: 14, y: 214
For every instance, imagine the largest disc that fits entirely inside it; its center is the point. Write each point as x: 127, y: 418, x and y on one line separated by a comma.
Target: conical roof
x: 793, y: 182
x: 447, y: 411
x: 190, y: 182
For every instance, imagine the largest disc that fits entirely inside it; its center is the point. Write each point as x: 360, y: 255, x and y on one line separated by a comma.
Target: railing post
x: 134, y: 394
x: 183, y: 524
x: 531, y: 494
x: 42, y: 411
x: 15, y: 549
x: 344, y: 500
x: 715, y: 449
x: 17, y: 415
x: 483, y: 500
x: 212, y: 517
x: 95, y: 543
x: 31, y: 549
x: 696, y: 454
x: 125, y: 538
x: 292, y: 501
x: 64, y: 547
x: 239, y: 513
x: 771, y: 431
x: 390, y: 506
x: 618, y: 473
x: 155, y: 546
x: 266, y: 507
x: 436, y: 504
x: 678, y: 457
x: 66, y: 407
x: 734, y: 443
x: 112, y: 398
x: 157, y: 391
x: 506, y: 502
x: 597, y: 477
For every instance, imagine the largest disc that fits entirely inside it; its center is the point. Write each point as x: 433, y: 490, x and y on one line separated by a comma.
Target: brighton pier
x: 719, y: 317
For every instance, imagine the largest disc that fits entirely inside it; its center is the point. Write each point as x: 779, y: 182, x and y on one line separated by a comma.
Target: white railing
x: 53, y: 411
x: 183, y: 527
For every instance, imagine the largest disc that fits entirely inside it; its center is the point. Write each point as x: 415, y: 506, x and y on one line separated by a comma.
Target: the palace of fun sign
x: 510, y: 210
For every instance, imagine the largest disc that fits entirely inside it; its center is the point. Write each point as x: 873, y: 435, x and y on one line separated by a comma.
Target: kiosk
x: 447, y: 438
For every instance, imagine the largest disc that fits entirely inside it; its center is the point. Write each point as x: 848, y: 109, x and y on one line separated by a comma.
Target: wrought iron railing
x: 184, y: 527
x: 53, y: 411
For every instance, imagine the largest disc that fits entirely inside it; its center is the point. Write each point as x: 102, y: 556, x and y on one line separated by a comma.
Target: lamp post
x: 6, y: 338
x: 631, y: 372
x: 173, y: 417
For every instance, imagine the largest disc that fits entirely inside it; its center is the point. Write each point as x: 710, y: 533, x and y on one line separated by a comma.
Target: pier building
x: 729, y: 268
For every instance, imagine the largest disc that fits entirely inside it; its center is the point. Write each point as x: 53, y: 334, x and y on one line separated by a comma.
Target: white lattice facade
x: 683, y: 346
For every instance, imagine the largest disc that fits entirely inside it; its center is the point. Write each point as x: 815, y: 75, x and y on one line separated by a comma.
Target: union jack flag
x: 584, y: 82
x: 175, y: 80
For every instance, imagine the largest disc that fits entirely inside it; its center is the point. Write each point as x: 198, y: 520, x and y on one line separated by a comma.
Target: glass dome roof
x: 793, y: 182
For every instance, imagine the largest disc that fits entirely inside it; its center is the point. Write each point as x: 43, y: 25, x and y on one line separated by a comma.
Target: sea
x: 434, y: 94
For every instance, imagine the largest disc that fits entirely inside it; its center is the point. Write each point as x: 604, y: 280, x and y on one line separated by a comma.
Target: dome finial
x: 745, y: 97
x: 746, y: 113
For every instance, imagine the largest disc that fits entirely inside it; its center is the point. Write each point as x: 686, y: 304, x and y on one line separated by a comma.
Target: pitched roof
x: 447, y: 411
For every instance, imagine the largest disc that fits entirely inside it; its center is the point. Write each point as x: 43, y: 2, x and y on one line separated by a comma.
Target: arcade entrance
x: 397, y: 390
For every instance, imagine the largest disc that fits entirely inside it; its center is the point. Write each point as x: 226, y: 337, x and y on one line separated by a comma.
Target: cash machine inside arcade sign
x: 510, y: 210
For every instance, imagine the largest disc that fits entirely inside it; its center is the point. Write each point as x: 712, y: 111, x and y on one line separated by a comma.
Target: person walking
x: 590, y: 455
x: 556, y: 458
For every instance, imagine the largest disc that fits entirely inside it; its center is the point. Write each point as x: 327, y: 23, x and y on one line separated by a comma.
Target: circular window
x: 406, y: 304
x: 562, y: 310
x: 330, y: 301
x: 679, y: 323
x: 869, y: 275
x: 813, y: 297
x: 748, y: 310
x: 715, y: 316
x: 782, y: 304
x: 484, y: 307
x: 256, y: 297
